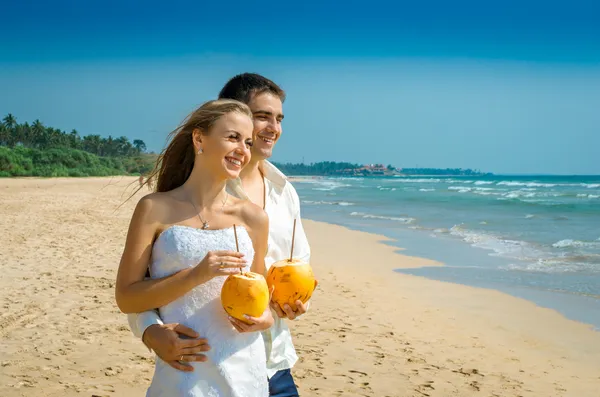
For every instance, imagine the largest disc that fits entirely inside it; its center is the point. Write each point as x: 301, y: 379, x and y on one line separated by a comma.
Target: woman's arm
x: 134, y: 294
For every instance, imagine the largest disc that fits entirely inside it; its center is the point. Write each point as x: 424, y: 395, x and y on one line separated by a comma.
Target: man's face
x: 268, y: 114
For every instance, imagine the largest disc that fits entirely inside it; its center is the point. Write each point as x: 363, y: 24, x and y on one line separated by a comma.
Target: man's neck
x: 252, y: 171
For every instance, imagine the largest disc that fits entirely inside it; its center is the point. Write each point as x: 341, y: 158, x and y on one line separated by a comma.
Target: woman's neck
x: 204, y: 188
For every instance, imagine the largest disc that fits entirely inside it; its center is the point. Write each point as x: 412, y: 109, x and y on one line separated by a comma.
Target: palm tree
x: 23, y: 135
x: 140, y: 146
x: 74, y: 139
x: 4, y: 136
x: 92, y: 144
x: 123, y: 146
x: 39, y: 138
x: 10, y: 121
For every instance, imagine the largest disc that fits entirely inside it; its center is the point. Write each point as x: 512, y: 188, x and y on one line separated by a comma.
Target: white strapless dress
x: 236, y: 365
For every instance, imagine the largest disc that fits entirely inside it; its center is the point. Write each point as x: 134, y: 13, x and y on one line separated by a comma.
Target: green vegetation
x: 443, y: 171
x: 332, y: 168
x: 37, y: 150
x: 321, y: 168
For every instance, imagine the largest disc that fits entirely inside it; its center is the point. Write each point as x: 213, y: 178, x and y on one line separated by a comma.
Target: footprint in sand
x: 112, y: 371
x: 475, y: 385
x: 468, y: 371
x: 425, y: 387
x: 416, y: 360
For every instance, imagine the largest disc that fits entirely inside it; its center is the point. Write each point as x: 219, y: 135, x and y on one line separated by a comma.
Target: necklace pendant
x: 205, y: 225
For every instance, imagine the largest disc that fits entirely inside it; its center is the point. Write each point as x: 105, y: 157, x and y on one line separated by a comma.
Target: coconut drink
x: 293, y: 280
x: 245, y: 293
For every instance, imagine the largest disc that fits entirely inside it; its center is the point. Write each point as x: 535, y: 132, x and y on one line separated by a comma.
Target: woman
x: 184, y: 235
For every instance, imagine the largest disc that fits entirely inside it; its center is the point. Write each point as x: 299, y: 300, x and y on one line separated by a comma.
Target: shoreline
x: 370, y: 330
x: 448, y: 328
x: 407, y: 262
x: 581, y: 308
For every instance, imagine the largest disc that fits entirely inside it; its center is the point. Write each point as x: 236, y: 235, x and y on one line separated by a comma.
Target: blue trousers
x: 282, y: 384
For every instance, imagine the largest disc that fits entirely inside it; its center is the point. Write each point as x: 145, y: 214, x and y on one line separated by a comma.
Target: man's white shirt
x: 282, y: 205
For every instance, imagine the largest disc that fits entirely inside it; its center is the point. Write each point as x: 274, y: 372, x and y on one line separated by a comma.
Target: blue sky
x: 511, y: 87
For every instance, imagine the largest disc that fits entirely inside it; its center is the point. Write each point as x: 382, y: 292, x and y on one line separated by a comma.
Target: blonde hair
x: 174, y: 165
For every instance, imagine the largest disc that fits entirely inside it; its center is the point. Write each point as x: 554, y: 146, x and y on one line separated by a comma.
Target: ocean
x: 535, y: 237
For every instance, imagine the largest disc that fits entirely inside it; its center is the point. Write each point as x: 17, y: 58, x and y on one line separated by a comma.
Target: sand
x: 370, y: 331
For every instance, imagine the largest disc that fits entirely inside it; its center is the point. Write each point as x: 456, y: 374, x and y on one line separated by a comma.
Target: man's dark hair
x: 244, y: 86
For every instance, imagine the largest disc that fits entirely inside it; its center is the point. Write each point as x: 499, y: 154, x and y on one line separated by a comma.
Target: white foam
x: 574, y: 243
x: 388, y: 218
x: 501, y: 247
x: 527, y: 184
x: 552, y: 266
x: 342, y: 203
x: 461, y: 189
x: 420, y: 180
x: 327, y: 185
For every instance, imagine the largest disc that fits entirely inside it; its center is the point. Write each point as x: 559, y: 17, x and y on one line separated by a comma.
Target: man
x: 266, y: 186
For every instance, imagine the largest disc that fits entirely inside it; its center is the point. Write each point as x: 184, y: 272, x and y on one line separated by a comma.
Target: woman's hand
x: 218, y: 263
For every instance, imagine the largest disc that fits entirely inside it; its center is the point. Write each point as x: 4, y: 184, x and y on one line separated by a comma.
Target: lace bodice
x: 236, y: 364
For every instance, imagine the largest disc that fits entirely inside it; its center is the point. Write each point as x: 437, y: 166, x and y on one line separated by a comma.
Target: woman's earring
x: 200, y: 151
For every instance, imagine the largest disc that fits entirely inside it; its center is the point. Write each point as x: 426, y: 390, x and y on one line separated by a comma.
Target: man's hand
x: 287, y: 312
x: 174, y: 349
x: 265, y: 321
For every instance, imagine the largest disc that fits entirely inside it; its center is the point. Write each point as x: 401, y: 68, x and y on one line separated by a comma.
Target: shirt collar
x: 273, y: 174
x: 270, y: 172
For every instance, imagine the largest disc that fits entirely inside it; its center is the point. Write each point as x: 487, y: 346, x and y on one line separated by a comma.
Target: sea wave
x: 501, y: 246
x: 342, y: 203
x: 569, y: 243
x: 536, y: 257
x: 328, y: 185
x: 527, y: 193
x: 558, y: 265
x: 527, y: 184
x: 406, y: 220
x: 420, y: 180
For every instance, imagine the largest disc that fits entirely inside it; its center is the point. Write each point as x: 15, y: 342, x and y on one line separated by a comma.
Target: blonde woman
x: 183, y: 234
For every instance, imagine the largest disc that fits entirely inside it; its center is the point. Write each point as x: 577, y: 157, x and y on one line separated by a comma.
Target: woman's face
x: 226, y: 147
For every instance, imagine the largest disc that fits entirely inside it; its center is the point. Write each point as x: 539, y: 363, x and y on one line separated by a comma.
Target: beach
x: 370, y: 331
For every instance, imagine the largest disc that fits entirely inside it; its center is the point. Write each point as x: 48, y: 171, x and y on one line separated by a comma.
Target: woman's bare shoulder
x: 251, y: 214
x: 155, y: 207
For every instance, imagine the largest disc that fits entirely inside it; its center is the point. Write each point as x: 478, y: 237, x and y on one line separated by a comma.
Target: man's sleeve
x: 139, y: 322
x: 301, y: 246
